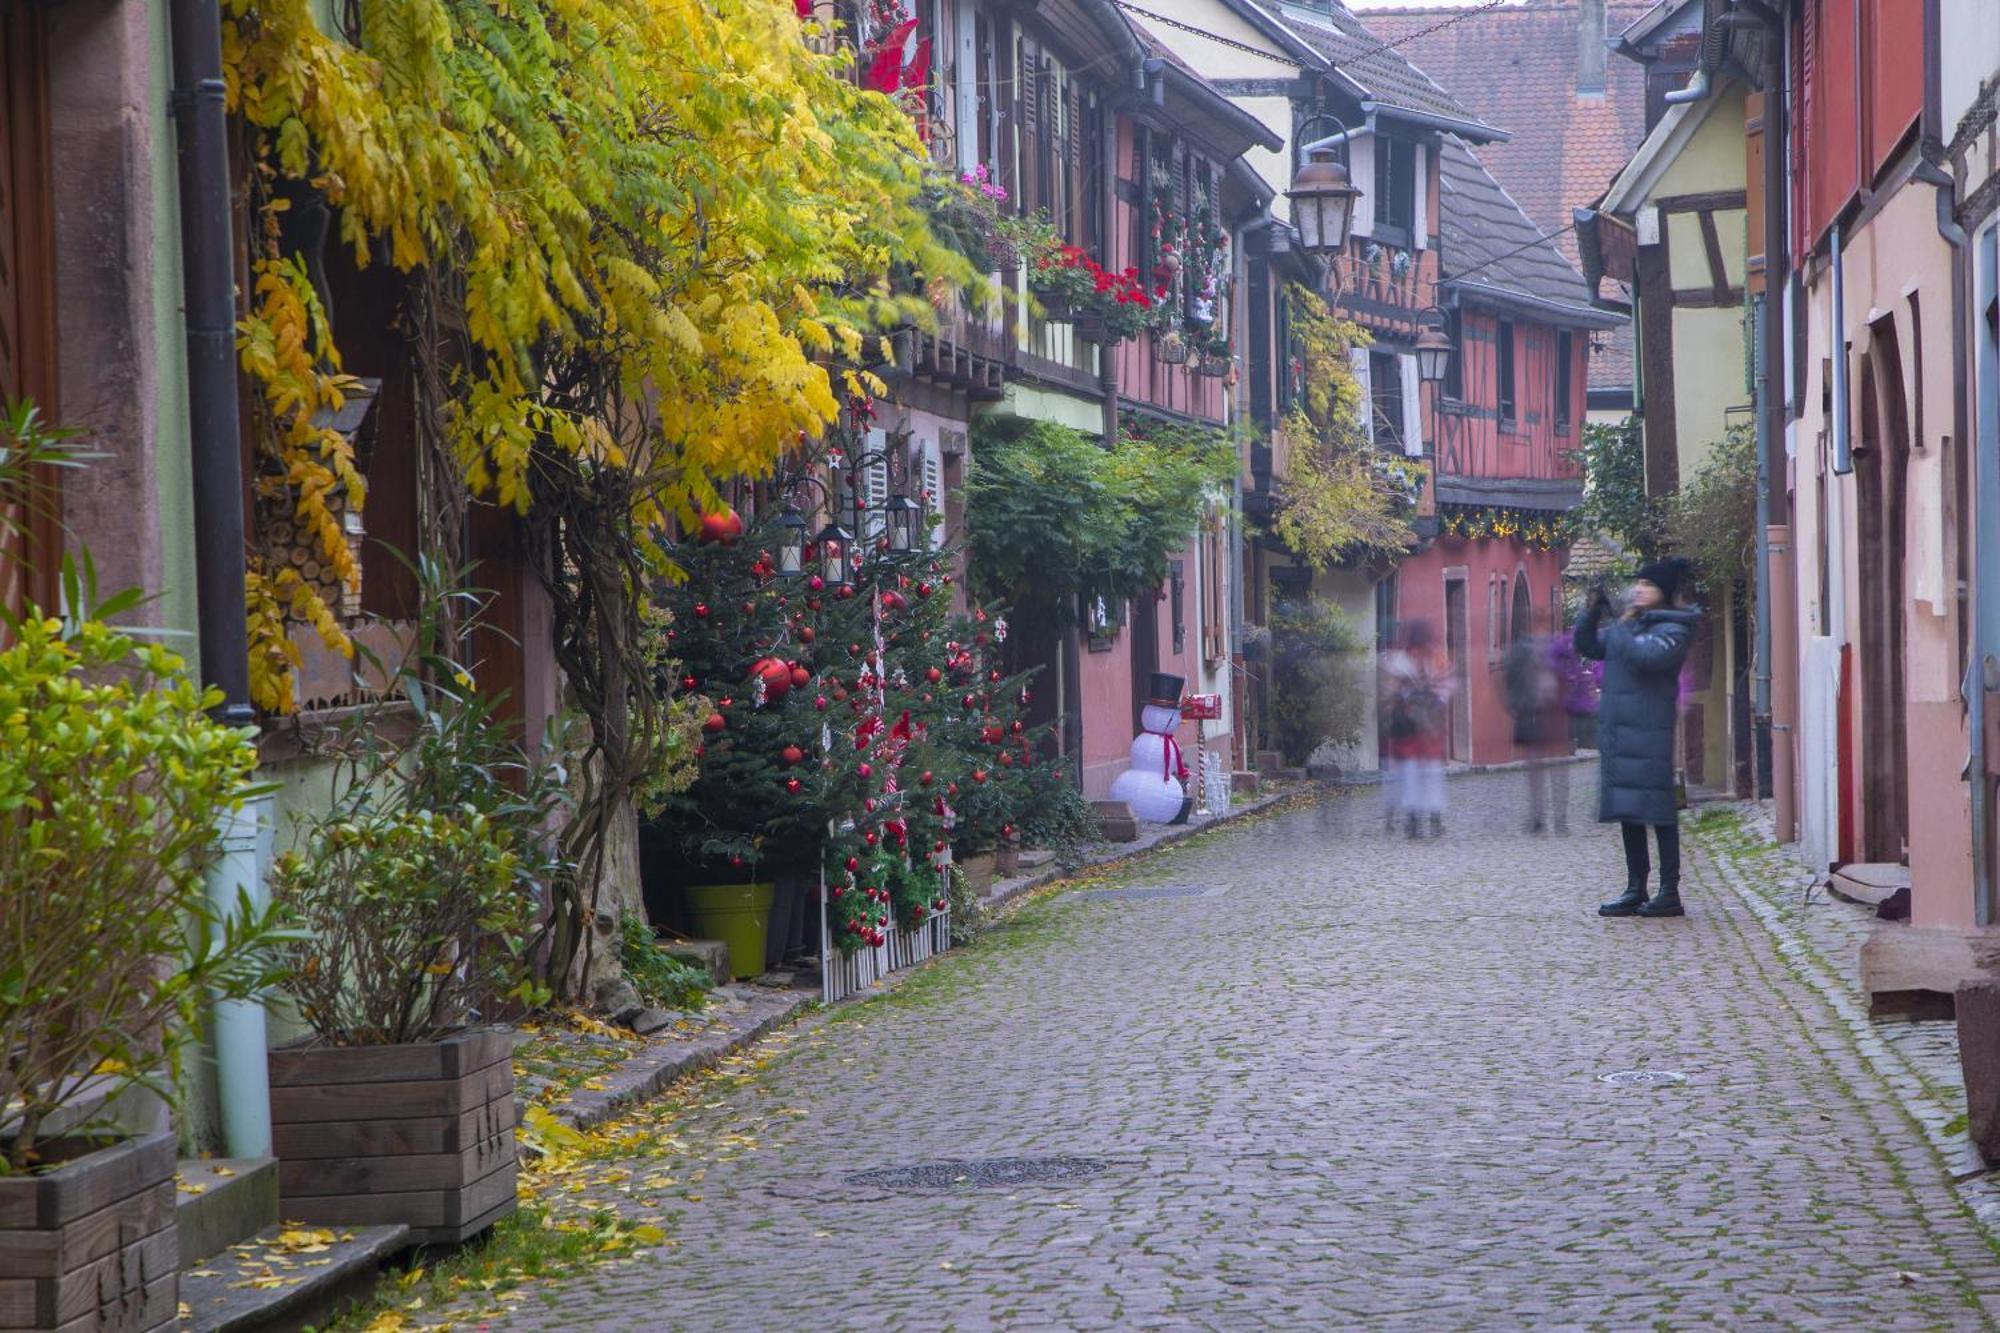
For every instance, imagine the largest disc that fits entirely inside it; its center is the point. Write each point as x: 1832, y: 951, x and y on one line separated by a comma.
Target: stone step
x: 1035, y: 858
x: 1868, y: 883
x: 220, y: 1201
x: 286, y: 1278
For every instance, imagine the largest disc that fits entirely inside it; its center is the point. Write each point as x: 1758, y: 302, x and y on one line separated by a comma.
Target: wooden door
x: 30, y: 534
x: 1880, y: 467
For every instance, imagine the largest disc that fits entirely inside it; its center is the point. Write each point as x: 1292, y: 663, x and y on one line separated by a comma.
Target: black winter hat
x: 1667, y: 575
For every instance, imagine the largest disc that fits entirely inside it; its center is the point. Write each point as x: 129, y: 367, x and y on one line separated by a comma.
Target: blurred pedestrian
x: 1534, y: 699
x: 1416, y: 689
x: 1642, y: 650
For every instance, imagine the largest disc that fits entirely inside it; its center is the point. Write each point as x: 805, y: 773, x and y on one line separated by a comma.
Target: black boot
x: 1631, y: 903
x: 1413, y: 828
x: 1667, y: 902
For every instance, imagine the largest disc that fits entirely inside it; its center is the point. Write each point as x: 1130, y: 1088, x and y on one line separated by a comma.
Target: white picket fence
x: 844, y: 977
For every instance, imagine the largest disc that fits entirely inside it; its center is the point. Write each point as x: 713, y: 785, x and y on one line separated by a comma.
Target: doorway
x: 1881, y: 470
x: 1456, y: 637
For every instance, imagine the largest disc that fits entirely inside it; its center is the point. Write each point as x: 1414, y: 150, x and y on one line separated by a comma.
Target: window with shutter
x: 874, y: 486
x: 1075, y: 181
x: 1028, y: 121
x: 931, y: 479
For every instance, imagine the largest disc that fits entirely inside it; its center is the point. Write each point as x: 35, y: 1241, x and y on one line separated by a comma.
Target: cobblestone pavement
x: 1354, y: 1083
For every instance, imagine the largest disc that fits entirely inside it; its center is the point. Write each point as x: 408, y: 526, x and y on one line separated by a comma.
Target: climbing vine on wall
x: 1339, y: 501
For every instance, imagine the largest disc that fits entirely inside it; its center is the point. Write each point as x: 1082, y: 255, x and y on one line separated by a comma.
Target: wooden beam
x: 1718, y: 268
x: 1703, y: 202
x: 1705, y: 298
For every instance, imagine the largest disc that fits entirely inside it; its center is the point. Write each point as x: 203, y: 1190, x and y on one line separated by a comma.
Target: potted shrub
x: 417, y: 898
x: 113, y: 787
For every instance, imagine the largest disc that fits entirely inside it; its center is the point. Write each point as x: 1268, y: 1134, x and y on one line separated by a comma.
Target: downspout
x: 1777, y: 609
x: 207, y: 258
x: 1973, y: 688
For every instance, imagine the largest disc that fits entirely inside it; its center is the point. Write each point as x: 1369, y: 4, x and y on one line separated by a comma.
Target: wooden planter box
x: 92, y: 1245
x: 420, y: 1134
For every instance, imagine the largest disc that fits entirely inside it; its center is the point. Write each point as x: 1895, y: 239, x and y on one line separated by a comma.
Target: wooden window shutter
x: 1029, y: 133
x: 1079, y: 179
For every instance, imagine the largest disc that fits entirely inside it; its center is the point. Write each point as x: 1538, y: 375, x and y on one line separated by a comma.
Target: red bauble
x: 869, y: 805
x: 979, y: 775
x: 967, y: 702
x: 820, y: 703
x: 1006, y: 760
x: 800, y: 675
x: 701, y: 610
x: 727, y: 701
x: 716, y: 722
x: 792, y: 785
x: 854, y: 650
x: 925, y: 780
x: 749, y: 607
x: 689, y: 682
x: 777, y: 678
x: 853, y: 864
x: 839, y: 695
x: 722, y: 526
x: 951, y: 789
x: 870, y: 838
x: 815, y: 583
x: 791, y: 754
x: 865, y: 770
x: 893, y: 601
x: 924, y: 590
x: 807, y: 635
x: 1006, y: 830
x: 931, y: 674
x: 844, y: 591
x: 1017, y: 726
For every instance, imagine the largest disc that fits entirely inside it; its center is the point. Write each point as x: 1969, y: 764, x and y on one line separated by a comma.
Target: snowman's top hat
x: 1165, y: 690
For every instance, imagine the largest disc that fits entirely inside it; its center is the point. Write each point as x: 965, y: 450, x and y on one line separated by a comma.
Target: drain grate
x: 986, y: 1174
x: 1169, y: 891
x: 1642, y: 1078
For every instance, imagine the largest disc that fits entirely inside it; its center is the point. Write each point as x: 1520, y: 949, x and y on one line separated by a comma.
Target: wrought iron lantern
x: 1433, y: 348
x: 791, y: 542
x: 902, y: 516
x: 1322, y: 194
x: 834, y: 543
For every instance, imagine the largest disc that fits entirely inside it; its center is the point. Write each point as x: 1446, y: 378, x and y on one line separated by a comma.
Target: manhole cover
x: 988, y: 1174
x: 1642, y: 1078
x: 1169, y: 891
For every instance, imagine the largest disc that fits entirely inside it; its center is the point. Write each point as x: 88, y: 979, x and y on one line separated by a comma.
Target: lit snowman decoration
x: 1152, y: 787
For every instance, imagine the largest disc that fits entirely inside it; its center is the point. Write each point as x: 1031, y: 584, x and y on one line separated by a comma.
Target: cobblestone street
x: 1349, y: 1081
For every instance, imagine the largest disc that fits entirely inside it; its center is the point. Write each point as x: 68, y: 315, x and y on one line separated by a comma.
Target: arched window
x: 1524, y: 601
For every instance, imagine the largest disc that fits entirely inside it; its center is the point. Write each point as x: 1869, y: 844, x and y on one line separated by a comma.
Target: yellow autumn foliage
x: 671, y: 205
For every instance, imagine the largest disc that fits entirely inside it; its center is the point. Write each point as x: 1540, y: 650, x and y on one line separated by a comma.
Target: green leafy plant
x: 114, y: 782
x: 1615, y: 502
x: 1338, y: 501
x: 419, y: 893
x: 661, y: 979
x: 1320, y: 688
x: 1712, y: 519
x: 1054, y: 516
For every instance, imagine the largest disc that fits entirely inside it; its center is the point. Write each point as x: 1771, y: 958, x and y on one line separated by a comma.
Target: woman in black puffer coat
x: 1642, y: 651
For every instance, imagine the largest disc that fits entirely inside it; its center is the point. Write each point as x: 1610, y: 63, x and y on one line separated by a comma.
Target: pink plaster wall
x: 1106, y: 691
x: 1420, y: 595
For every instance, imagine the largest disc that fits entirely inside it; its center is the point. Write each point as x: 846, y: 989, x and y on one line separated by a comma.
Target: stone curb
x: 649, y: 1073
x: 1007, y: 890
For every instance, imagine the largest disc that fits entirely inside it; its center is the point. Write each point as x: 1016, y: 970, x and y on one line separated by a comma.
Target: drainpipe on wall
x: 1777, y: 607
x: 207, y: 258
x: 1972, y: 689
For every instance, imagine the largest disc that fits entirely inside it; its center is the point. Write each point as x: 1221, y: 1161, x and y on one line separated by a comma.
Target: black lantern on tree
x: 834, y: 542
x: 901, y: 515
x: 1322, y: 194
x: 791, y: 542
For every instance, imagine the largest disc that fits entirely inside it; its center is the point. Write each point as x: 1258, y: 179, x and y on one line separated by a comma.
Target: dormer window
x: 1395, y: 191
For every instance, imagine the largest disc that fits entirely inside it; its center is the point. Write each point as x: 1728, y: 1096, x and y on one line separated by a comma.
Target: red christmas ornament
x: 722, y: 526
x: 854, y: 650
x: 870, y: 838
x: 925, y: 780
x: 865, y: 771
x: 820, y: 703
x: 951, y: 789
x: 815, y: 583
x: 749, y: 607
x: 931, y: 674
x: 869, y: 805
x: 1017, y: 726
x: 806, y: 635
x: 853, y: 864
x: 967, y: 702
x: 993, y: 676
x: 979, y: 775
x: 844, y: 591
x: 1006, y: 760
x: 777, y: 678
x: 925, y: 590
x: 800, y: 675
x: 893, y: 601
x: 701, y: 610
x: 716, y: 722
x: 792, y: 786
x: 727, y: 702
x: 791, y: 754
x: 689, y: 682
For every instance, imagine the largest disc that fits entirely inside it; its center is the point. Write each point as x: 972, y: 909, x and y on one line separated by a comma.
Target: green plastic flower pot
x: 736, y: 914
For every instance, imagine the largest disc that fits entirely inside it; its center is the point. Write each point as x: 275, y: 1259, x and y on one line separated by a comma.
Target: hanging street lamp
x: 1433, y: 347
x: 834, y: 541
x: 901, y: 515
x: 791, y: 542
x: 1322, y: 194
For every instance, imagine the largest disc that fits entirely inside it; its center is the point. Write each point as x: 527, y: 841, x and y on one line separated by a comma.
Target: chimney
x: 1590, y: 47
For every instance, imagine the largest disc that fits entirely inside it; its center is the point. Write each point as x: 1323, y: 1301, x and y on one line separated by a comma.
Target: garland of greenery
x: 1537, y: 529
